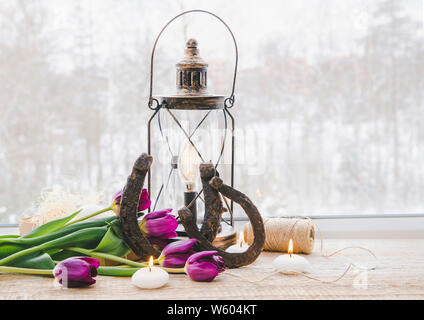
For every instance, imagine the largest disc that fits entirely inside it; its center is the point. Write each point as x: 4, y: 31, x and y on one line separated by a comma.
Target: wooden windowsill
x: 399, y: 275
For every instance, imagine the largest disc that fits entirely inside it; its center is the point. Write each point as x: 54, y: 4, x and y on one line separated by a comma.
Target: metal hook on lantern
x: 155, y: 107
x: 230, y: 99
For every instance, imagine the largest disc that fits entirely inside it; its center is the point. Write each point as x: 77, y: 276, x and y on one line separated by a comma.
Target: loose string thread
x: 322, y: 254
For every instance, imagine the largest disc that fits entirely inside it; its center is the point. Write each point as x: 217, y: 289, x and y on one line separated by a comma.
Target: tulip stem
x: 20, y: 254
x: 89, y: 216
x: 117, y: 271
x: 27, y: 270
x: 105, y: 271
x: 109, y: 257
x: 174, y: 270
x: 122, y: 260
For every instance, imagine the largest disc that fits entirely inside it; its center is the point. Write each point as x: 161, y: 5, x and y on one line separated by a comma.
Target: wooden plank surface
x: 400, y: 275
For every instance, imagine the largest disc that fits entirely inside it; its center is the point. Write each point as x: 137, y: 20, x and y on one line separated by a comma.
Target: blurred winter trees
x: 341, y: 134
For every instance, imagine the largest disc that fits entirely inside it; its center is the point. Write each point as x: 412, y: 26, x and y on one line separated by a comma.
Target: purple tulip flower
x: 159, y: 243
x: 76, y: 272
x: 143, y: 203
x: 175, y: 254
x: 159, y: 224
x: 204, y: 266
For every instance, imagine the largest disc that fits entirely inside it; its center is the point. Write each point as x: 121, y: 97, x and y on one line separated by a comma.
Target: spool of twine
x: 279, y: 231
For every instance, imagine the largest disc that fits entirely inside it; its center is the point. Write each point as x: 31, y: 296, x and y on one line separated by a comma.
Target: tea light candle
x: 150, y: 277
x: 290, y: 263
x: 241, y: 245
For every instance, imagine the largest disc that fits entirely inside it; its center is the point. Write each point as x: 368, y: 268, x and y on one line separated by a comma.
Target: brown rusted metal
x: 210, y: 102
x: 228, y: 102
x: 192, y: 92
x: 213, y: 204
x: 231, y: 260
x: 129, y: 205
x: 192, y: 72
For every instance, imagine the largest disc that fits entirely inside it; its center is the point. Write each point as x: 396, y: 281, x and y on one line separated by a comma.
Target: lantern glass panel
x: 206, y: 129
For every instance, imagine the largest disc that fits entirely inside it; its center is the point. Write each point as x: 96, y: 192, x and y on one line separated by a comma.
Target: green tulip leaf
x: 37, y: 260
x: 30, y: 242
x: 65, y: 254
x: 116, y: 227
x: 112, y: 242
x: 52, y: 251
x: 85, y: 238
x: 50, y: 226
x: 9, y: 236
x: 8, y: 249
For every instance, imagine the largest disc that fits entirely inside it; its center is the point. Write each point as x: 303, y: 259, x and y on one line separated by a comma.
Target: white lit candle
x: 241, y: 245
x: 150, y: 277
x: 290, y: 263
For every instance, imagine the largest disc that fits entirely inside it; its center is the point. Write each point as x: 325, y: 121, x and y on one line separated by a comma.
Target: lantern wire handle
x: 154, y: 104
x: 229, y: 102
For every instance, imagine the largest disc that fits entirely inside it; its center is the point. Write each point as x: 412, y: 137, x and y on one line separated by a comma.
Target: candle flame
x: 241, y: 239
x: 150, y: 263
x: 290, y: 250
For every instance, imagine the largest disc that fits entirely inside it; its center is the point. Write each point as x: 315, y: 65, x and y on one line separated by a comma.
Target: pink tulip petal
x: 169, y: 235
x: 80, y: 284
x: 158, y: 241
x: 176, y: 260
x: 202, y: 271
x: 92, y: 261
x: 144, y: 202
x: 76, y: 271
x: 161, y: 226
x: 219, y: 263
x: 157, y: 214
x: 203, y: 255
x: 117, y: 196
x: 180, y: 246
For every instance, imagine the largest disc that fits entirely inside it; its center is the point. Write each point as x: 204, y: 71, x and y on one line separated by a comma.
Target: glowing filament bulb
x: 188, y: 163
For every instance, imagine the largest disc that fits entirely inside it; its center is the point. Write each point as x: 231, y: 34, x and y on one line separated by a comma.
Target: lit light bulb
x: 188, y: 163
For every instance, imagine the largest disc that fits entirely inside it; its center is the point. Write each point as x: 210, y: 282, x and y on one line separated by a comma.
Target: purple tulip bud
x: 158, y: 242
x: 204, y: 266
x: 143, y: 203
x: 159, y: 224
x: 175, y: 254
x: 76, y: 272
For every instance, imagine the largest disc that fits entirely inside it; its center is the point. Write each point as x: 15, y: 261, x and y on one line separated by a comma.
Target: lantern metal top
x: 192, y: 93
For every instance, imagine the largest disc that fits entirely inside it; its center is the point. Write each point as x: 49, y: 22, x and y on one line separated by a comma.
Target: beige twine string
x: 278, y: 232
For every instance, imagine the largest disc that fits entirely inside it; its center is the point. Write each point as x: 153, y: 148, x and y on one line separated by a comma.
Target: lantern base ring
x: 203, y: 102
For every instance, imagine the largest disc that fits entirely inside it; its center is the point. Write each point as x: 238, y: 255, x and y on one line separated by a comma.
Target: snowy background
x: 329, y: 96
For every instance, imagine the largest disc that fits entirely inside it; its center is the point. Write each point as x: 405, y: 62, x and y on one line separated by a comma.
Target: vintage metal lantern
x: 192, y: 126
